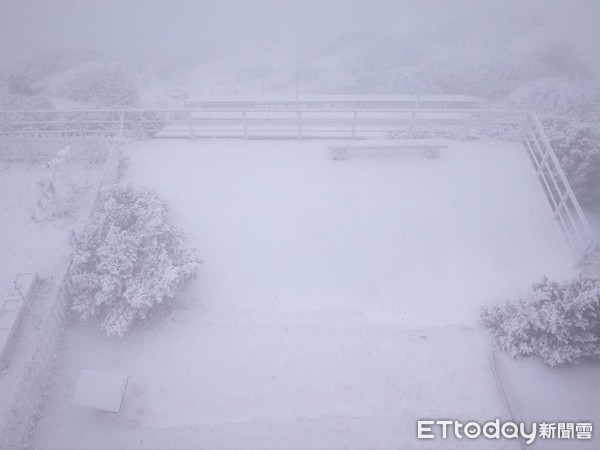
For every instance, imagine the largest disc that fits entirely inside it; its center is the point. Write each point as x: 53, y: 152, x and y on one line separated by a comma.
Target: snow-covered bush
x: 401, y: 80
x: 28, y: 78
x: 129, y: 261
x: 578, y: 148
x: 563, y: 58
x: 26, y: 121
x: 558, y: 322
x: 488, y: 76
x: 106, y: 86
x: 147, y: 123
x: 25, y: 102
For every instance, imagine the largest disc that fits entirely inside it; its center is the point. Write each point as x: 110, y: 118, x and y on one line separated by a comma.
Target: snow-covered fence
x: 562, y: 199
x: 14, y: 304
x: 17, y: 422
x: 199, y: 101
x: 326, y: 123
x: 254, y: 123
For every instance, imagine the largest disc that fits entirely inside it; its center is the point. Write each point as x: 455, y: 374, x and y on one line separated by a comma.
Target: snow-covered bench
x: 17, y: 299
x: 430, y: 147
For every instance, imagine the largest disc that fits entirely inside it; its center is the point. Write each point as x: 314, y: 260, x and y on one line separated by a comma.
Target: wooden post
x: 245, y: 119
x: 299, y: 119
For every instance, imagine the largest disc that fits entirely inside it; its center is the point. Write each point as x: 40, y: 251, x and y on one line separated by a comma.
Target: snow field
x: 282, y: 226
x: 336, y: 305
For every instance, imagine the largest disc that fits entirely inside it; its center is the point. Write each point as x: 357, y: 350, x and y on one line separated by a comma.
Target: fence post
x: 245, y: 119
x: 191, y: 124
x: 354, y: 116
x: 299, y: 119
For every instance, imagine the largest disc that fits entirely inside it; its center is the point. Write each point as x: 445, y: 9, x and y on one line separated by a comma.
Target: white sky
x: 186, y: 29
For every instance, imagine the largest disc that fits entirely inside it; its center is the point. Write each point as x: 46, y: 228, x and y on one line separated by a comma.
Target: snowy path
x: 337, y: 303
x: 274, y: 381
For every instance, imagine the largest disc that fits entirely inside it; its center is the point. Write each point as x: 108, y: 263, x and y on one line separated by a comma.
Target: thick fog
x: 186, y: 30
x: 278, y: 224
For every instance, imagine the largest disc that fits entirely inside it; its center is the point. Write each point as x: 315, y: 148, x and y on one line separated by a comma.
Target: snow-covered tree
x: 557, y: 96
x: 558, y: 322
x: 104, y: 85
x: 129, y: 261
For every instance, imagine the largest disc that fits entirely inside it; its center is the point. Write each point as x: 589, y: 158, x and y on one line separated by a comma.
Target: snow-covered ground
x: 282, y: 226
x: 569, y: 393
x: 336, y: 305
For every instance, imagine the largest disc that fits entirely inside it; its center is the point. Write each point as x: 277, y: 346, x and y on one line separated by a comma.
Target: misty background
x: 481, y: 48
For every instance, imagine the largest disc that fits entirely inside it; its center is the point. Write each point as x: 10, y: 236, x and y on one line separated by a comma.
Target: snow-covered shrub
x: 563, y: 58
x: 18, y: 120
x: 129, y: 261
x: 558, y: 322
x: 106, y: 86
x: 101, y: 123
x: 401, y: 80
x: 577, y: 146
x: 29, y: 78
x: 53, y: 62
x: 488, y: 76
x: 25, y: 102
x: 146, y: 124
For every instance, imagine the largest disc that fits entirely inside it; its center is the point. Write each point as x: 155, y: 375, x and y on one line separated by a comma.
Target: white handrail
x: 563, y: 201
x: 318, y: 123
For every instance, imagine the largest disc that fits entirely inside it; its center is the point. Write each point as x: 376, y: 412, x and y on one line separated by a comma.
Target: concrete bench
x: 16, y: 301
x: 430, y: 147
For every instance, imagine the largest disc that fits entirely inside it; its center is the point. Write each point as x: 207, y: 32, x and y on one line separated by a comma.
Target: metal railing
x: 200, y: 101
x: 565, y: 206
x: 60, y: 126
x: 252, y: 123
x: 321, y: 123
